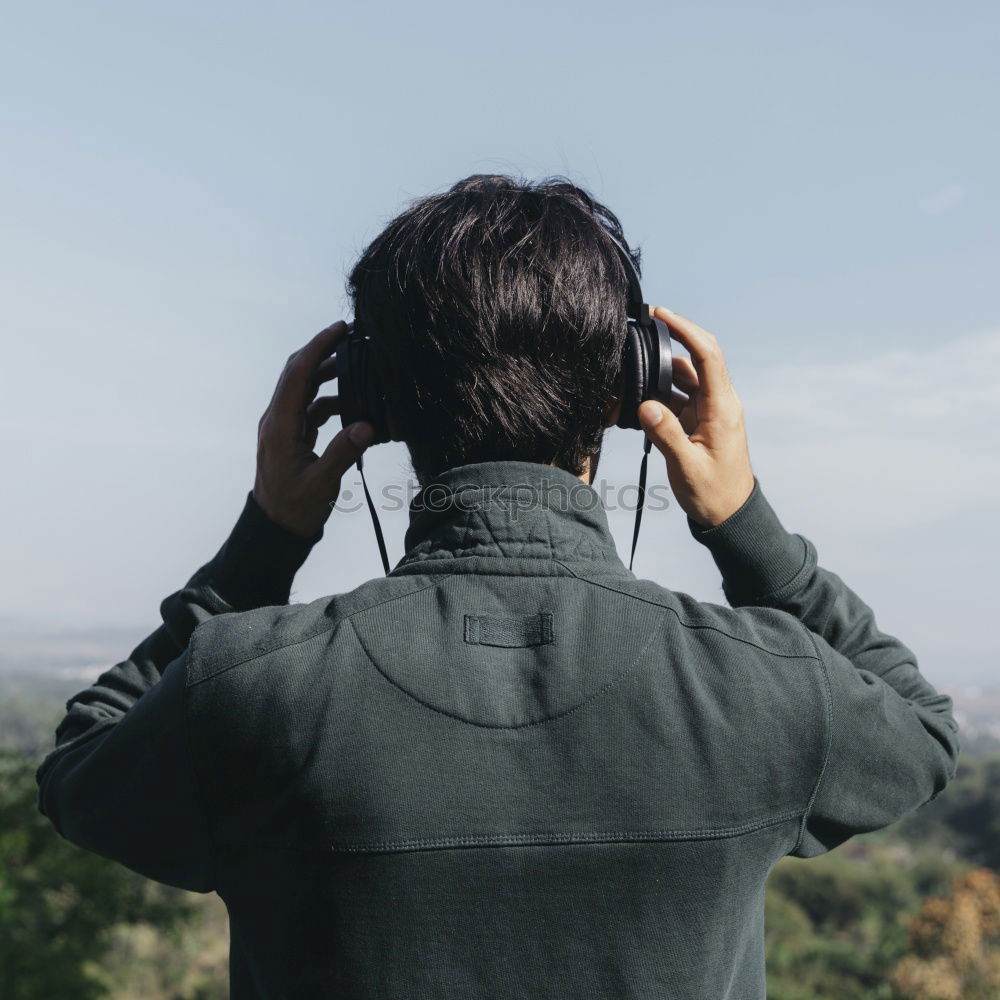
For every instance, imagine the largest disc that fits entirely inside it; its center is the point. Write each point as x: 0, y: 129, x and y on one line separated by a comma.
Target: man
x: 510, y: 769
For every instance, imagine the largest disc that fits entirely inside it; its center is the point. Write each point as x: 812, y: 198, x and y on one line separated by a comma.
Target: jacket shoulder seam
x: 828, y: 721
x: 695, y: 625
x: 328, y: 626
x: 204, y: 813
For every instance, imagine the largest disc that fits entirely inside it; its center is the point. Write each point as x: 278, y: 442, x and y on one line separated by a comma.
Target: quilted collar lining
x: 508, y: 510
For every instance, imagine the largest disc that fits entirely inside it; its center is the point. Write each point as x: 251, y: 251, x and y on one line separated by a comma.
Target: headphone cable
x: 647, y: 445
x: 375, y: 521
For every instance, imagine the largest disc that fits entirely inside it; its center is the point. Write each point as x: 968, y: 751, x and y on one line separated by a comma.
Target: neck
x: 584, y: 476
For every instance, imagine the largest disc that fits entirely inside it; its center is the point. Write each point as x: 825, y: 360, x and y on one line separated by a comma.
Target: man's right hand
x: 705, y: 442
x: 294, y: 486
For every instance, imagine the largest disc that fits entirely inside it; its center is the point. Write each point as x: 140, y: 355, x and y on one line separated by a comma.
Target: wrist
x: 307, y: 527
x: 258, y: 561
x: 754, y: 553
x: 721, y: 513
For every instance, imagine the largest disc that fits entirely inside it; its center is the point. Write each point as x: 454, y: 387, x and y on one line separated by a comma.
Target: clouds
x: 896, y: 440
x: 943, y: 200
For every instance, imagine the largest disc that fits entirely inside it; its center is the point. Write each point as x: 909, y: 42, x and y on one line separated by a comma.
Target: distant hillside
x: 71, y: 653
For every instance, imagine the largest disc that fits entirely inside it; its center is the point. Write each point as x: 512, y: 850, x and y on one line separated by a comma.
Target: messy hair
x: 498, y: 312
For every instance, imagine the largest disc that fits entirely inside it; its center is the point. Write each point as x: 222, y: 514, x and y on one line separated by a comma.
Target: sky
x: 185, y: 187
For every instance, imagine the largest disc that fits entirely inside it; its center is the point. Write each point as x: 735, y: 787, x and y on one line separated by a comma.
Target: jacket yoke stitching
x: 327, y: 627
x: 521, y: 725
x: 556, y: 839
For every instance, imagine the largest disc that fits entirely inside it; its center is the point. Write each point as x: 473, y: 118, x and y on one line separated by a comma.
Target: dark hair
x: 498, y: 312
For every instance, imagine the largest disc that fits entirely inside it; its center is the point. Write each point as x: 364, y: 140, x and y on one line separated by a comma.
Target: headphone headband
x: 638, y: 310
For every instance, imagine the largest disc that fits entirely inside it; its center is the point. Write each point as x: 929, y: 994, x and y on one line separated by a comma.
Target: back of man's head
x: 498, y: 312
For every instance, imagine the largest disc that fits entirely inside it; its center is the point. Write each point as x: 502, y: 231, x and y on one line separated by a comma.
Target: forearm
x: 762, y: 564
x: 255, y: 567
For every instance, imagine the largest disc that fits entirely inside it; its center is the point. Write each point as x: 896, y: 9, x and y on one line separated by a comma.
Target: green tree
x: 836, y: 925
x: 955, y: 942
x: 59, y: 904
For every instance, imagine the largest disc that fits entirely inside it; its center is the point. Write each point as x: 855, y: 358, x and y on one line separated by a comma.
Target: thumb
x: 664, y: 429
x: 347, y: 446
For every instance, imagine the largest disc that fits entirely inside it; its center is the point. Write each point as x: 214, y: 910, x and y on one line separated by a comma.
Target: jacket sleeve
x: 119, y: 781
x: 891, y: 742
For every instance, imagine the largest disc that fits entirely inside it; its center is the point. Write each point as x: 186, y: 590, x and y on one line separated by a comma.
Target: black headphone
x: 647, y: 373
x: 358, y: 386
x: 647, y: 363
x: 647, y: 359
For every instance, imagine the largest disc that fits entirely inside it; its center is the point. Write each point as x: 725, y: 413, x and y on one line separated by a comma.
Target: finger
x: 689, y: 418
x: 714, y: 384
x: 683, y: 374
x: 327, y: 369
x: 319, y: 411
x: 678, y: 400
x: 296, y: 385
x: 665, y: 431
x: 346, y: 448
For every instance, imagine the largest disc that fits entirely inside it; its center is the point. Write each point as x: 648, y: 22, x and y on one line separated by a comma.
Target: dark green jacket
x: 508, y: 770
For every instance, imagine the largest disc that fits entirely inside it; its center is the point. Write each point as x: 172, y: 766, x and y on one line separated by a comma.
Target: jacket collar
x: 532, y: 518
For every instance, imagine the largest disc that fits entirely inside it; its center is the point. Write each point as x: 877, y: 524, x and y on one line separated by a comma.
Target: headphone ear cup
x: 358, y: 386
x: 660, y: 363
x: 346, y: 382
x: 373, y: 406
x: 635, y: 376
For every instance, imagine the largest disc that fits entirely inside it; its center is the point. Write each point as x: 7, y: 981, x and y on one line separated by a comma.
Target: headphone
x: 647, y: 373
x: 647, y: 359
x: 647, y: 363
